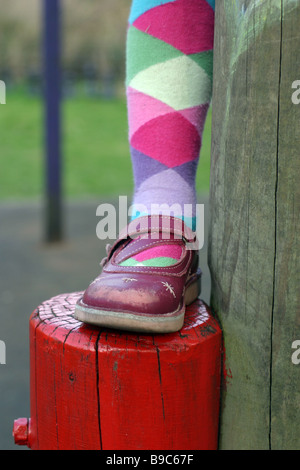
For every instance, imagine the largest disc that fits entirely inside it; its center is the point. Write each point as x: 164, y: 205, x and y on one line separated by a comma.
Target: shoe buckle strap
x: 153, y: 224
x: 158, y: 223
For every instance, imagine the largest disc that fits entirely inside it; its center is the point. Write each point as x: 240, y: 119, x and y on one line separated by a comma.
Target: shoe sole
x: 139, y: 322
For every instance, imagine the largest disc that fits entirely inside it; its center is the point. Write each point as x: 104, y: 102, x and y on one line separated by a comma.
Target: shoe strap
x: 144, y: 242
x: 158, y: 224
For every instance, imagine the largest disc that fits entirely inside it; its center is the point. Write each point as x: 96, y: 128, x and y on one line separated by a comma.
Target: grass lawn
x: 96, y: 158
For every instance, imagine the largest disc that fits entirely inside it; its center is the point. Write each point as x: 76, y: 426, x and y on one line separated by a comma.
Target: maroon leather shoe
x: 142, y: 298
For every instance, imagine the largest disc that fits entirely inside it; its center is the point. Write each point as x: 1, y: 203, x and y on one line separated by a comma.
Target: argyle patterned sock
x: 169, y: 84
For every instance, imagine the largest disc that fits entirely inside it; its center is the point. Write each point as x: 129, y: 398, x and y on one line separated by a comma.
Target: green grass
x: 96, y: 159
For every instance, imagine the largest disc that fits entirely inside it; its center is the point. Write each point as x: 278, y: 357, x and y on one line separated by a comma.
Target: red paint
x: 21, y: 431
x: 104, y: 389
x: 227, y: 374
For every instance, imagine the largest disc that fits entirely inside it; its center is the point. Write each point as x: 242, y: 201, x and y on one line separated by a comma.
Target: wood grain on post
x: 254, y: 228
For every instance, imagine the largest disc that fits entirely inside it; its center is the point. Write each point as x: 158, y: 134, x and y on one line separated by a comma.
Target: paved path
x: 32, y: 271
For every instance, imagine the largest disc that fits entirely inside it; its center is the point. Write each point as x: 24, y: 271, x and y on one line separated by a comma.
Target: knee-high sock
x: 169, y: 85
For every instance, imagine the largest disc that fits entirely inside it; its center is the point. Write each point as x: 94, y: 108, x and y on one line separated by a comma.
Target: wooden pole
x: 52, y: 119
x: 254, y: 232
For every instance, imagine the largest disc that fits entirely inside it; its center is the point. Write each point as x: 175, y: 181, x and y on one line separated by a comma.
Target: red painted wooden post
x: 95, y: 388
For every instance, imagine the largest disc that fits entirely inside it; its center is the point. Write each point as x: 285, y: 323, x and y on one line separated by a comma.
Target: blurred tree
x: 93, y: 37
x: 19, y: 37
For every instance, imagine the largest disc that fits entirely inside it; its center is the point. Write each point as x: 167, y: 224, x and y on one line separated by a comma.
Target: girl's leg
x: 169, y: 85
x: 147, y: 282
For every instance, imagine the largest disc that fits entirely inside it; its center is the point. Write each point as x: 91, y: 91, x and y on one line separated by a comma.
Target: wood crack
x: 160, y: 381
x: 275, y: 229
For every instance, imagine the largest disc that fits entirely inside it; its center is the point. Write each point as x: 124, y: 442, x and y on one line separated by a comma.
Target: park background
x: 96, y: 168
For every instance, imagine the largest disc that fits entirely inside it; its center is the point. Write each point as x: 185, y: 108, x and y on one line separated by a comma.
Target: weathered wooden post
x: 94, y: 388
x: 254, y: 232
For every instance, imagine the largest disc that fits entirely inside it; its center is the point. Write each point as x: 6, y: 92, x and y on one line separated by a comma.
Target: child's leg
x: 169, y: 84
x: 142, y: 287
